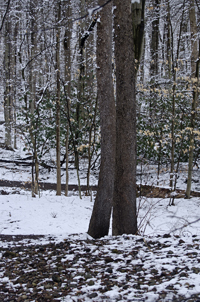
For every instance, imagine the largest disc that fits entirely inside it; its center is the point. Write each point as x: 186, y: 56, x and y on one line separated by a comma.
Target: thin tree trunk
x: 169, y: 58
x: 155, y: 39
x: 194, y: 76
x: 175, y: 67
x: 81, y: 83
x: 124, y: 200
x: 172, y: 132
x: 7, y: 91
x: 58, y: 105
x: 154, y: 64
x: 90, y: 152
x: 138, y: 30
x: 191, y: 147
x: 100, y: 219
x: 91, y: 98
x: 169, y: 41
x: 67, y: 160
x: 67, y: 52
x: 15, y: 87
x: 32, y: 102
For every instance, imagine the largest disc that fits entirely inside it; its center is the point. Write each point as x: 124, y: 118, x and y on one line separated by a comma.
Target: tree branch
x: 87, y: 33
x: 4, y: 17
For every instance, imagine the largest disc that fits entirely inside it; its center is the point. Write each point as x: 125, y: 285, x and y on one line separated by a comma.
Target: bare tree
x: 124, y: 201
x: 58, y: 102
x: 8, y: 85
x: 138, y: 30
x: 99, y: 223
x: 195, y: 55
x: 67, y: 54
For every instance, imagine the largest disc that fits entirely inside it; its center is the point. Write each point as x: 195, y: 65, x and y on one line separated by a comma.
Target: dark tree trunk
x: 138, y: 30
x: 155, y: 39
x: 99, y: 223
x: 124, y: 201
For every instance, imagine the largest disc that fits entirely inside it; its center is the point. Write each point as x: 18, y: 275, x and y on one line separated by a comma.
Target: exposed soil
x: 142, y: 190
x: 18, y: 238
x: 43, y: 185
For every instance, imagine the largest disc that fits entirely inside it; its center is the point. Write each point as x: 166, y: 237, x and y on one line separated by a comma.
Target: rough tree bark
x: 124, y: 201
x: 100, y: 219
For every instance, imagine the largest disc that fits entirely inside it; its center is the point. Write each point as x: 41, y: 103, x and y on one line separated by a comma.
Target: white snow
x: 92, y: 10
x: 133, y: 1
x: 49, y: 214
x: 60, y: 217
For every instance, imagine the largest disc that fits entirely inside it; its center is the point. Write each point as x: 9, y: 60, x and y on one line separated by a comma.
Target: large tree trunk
x: 124, y: 201
x: 99, y: 223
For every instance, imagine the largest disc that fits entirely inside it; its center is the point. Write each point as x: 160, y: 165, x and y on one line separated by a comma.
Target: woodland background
x: 50, y: 108
x: 48, y: 84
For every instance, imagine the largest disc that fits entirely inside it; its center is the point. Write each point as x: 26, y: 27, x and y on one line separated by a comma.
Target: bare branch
x: 4, y: 17
x: 187, y: 223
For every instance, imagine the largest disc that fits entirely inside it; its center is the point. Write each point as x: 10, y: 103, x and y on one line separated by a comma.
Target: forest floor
x: 46, y: 254
x: 125, y: 268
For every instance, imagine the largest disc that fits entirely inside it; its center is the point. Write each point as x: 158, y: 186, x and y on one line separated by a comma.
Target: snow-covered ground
x: 60, y: 215
x: 152, y: 266
x: 51, y: 214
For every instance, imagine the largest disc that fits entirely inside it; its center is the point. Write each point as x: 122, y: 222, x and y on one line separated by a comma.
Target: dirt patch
x: 43, y: 185
x: 17, y: 238
x: 142, y: 190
